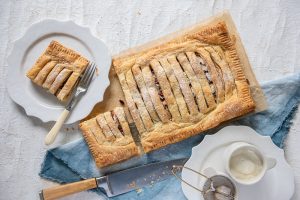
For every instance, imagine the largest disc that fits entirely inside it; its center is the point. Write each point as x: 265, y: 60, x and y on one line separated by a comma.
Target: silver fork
x: 81, y: 88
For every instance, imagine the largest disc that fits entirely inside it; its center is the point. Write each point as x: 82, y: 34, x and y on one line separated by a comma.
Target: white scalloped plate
x: 35, y: 100
x: 278, y: 183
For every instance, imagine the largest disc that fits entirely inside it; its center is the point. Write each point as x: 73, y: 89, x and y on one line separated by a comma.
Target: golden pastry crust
x: 113, y: 148
x: 57, y: 70
x: 173, y: 90
x: 203, y: 70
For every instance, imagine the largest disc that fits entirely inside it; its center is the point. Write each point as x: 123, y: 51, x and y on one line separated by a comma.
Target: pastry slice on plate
x: 109, y: 137
x: 57, y: 70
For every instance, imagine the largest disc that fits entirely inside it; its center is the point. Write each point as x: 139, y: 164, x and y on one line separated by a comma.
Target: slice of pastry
x: 184, y: 86
x: 57, y: 70
x: 109, y: 138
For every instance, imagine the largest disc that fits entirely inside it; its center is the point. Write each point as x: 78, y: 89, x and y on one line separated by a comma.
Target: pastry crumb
x: 139, y: 190
x: 132, y: 184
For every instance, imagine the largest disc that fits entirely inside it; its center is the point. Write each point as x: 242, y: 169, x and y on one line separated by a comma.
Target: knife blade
x: 138, y: 177
x: 119, y: 182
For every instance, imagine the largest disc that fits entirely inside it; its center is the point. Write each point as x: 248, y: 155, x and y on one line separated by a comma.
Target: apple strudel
x: 185, y: 86
x: 177, y: 89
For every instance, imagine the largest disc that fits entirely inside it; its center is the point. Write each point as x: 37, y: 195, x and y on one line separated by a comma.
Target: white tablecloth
x: 270, y: 31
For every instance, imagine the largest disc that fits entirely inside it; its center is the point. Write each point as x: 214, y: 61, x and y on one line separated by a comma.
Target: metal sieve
x: 216, y: 187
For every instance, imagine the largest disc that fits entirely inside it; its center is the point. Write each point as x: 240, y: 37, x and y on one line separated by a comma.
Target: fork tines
x: 88, y: 75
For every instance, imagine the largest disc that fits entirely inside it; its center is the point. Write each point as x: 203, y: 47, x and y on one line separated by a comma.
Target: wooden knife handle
x: 67, y: 189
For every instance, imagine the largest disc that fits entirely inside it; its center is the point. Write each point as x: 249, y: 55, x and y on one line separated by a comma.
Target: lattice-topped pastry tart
x: 182, y: 87
x: 57, y: 70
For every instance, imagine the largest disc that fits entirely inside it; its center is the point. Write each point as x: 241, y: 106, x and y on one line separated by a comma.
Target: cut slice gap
x: 127, y: 128
x: 116, y: 120
x: 136, y: 138
x: 119, y: 116
x: 119, y: 113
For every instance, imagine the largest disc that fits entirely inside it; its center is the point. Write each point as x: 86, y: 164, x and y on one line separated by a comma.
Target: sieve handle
x: 176, y: 168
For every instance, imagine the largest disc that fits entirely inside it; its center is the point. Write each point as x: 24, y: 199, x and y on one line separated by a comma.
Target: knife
x: 119, y: 182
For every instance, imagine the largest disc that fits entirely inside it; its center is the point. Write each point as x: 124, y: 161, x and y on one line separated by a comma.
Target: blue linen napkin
x: 73, y: 161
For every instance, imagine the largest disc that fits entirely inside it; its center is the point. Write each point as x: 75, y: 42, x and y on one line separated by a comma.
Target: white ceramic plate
x: 34, y: 99
x: 278, y: 182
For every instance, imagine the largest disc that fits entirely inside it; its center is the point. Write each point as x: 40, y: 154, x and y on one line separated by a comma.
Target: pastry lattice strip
x: 194, y: 82
x: 181, y: 86
x: 166, y: 91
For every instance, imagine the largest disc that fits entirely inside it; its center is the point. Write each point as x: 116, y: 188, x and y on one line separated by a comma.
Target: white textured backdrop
x: 270, y: 31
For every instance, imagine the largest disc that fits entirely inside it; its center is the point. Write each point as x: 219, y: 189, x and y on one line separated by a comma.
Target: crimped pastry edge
x: 107, y: 155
